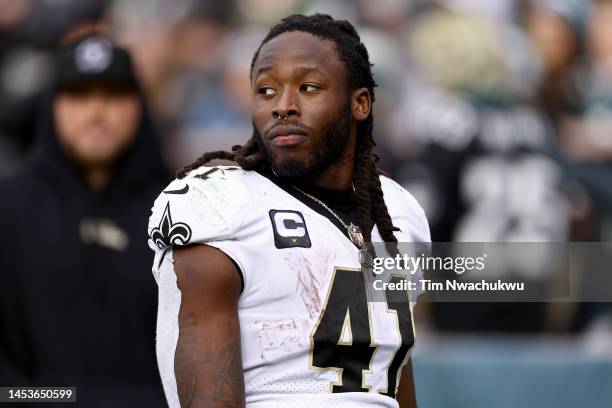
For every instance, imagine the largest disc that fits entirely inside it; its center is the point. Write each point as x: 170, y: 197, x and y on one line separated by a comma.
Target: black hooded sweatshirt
x: 77, y: 297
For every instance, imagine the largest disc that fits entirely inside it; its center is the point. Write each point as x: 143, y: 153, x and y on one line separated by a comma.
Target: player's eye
x: 309, y: 88
x: 266, y: 91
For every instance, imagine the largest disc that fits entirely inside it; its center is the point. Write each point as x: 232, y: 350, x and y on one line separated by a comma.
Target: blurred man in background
x: 77, y: 302
x: 29, y: 32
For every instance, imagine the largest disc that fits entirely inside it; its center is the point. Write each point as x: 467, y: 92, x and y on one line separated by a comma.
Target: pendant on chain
x: 356, y: 235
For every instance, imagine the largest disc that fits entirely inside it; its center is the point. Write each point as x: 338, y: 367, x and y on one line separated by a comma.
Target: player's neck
x: 334, y: 197
x: 338, y: 177
x: 337, y: 199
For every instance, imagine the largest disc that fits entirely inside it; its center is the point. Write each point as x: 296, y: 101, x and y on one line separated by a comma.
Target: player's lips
x: 287, y: 135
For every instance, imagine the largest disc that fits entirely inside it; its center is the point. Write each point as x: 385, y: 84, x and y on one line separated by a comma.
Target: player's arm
x: 406, y: 396
x: 207, y: 362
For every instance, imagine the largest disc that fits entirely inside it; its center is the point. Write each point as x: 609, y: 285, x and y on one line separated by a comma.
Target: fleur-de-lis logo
x: 168, y: 233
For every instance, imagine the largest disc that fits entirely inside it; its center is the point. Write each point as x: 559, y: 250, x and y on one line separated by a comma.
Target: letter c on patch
x: 290, y: 229
x: 289, y: 224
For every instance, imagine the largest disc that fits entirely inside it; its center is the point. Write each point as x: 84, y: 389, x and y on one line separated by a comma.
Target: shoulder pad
x: 208, y: 204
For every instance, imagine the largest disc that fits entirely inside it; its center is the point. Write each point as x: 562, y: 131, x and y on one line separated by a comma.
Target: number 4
x: 346, y: 314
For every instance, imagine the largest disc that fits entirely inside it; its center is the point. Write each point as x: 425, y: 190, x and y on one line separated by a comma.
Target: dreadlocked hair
x: 372, y: 209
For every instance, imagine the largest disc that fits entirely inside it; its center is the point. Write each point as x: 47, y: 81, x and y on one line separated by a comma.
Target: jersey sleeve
x: 206, y: 207
x: 406, y: 212
x: 420, y: 237
x: 414, y: 236
x: 421, y: 232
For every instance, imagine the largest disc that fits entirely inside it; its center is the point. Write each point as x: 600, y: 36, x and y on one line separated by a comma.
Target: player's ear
x: 361, y: 103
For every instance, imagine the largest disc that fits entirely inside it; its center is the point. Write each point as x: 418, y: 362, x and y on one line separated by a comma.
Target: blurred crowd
x: 496, y: 115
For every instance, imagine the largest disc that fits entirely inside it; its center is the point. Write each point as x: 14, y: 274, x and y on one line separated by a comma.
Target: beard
x: 322, y: 154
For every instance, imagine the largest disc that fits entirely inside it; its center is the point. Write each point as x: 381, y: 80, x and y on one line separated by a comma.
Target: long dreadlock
x: 372, y: 208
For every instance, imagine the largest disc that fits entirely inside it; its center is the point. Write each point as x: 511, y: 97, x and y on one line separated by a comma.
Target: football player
x: 269, y: 309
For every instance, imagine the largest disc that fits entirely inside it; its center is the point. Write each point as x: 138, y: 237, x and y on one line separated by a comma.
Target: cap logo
x: 93, y: 55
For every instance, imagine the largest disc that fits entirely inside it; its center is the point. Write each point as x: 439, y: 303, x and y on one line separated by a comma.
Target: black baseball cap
x: 92, y: 59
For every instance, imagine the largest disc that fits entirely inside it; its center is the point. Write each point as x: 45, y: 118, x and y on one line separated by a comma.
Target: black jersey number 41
x: 342, y: 339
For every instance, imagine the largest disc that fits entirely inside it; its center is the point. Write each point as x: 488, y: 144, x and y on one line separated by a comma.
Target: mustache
x: 283, y: 123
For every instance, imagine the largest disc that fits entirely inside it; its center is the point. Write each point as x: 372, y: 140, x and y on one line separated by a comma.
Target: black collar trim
x: 288, y: 188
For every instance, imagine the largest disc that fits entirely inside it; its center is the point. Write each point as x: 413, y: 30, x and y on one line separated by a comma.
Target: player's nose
x: 287, y: 105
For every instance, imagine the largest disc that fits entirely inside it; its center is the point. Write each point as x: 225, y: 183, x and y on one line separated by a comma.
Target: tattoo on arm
x: 184, y: 358
x: 230, y: 386
x: 207, y: 374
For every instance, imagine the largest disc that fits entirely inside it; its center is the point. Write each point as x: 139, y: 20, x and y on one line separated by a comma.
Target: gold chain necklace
x: 354, y: 233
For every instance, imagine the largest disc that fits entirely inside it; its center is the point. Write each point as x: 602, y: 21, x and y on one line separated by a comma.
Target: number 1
x: 346, y: 314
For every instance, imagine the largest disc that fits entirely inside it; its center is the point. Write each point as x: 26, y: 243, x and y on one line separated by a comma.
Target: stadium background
x: 496, y: 115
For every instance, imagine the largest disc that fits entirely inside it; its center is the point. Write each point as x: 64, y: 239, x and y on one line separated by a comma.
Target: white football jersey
x: 309, y: 335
